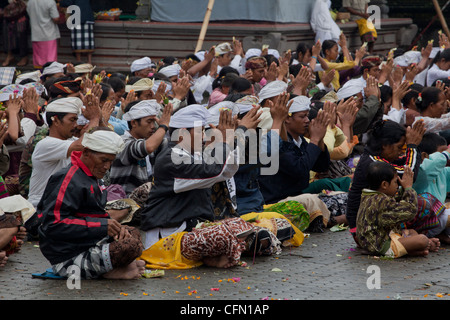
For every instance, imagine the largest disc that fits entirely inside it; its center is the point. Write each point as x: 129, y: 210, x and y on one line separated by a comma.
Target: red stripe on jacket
x: 59, y: 202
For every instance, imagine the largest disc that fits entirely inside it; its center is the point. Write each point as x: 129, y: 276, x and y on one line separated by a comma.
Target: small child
x: 384, y: 208
x: 434, y: 178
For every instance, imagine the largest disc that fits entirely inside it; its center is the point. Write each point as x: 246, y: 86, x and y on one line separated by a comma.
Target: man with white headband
x: 75, y: 228
x: 172, y: 71
x: 141, y: 67
x: 53, y: 152
x: 185, y: 172
x: 52, y: 70
x: 297, y: 156
x: 144, y: 140
x: 143, y: 88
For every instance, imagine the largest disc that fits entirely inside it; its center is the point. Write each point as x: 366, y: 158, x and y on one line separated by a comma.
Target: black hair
x: 223, y: 72
x: 415, y: 90
x: 446, y: 82
x: 192, y: 57
x: 431, y: 142
x: 50, y: 115
x: 302, y: 48
x: 235, y: 96
x: 314, y: 109
x: 327, y: 45
x: 295, y: 69
x: 377, y: 172
x: 119, y: 75
x: 169, y: 60
x: 106, y: 88
x: 271, y: 58
x: 116, y: 83
x: 386, y: 93
x: 428, y: 96
x: 240, y: 84
x: 384, y: 133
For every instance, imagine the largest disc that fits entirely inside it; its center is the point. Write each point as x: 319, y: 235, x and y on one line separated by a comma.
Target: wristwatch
x: 166, y: 128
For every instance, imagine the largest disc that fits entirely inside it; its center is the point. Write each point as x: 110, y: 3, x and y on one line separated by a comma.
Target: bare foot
x: 8, y: 60
x: 218, y: 262
x: 3, y: 258
x: 22, y: 62
x: 134, y: 270
x: 434, y: 244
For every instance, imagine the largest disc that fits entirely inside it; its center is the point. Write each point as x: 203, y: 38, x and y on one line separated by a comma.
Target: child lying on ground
x: 382, y: 211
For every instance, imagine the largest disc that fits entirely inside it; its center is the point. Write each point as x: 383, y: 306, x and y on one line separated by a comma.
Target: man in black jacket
x: 75, y: 230
x: 184, y: 172
x: 297, y: 156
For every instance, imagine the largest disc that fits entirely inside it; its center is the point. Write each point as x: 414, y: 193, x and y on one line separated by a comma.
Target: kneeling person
x: 75, y: 228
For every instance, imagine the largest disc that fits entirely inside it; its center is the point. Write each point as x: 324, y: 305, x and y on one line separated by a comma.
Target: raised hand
x: 30, y: 101
x: 415, y: 133
x: 301, y: 81
x: 181, y: 88
x: 166, y: 115
x: 318, y: 128
x: 407, y: 180
x: 251, y: 119
x: 372, y: 88
x: 346, y: 113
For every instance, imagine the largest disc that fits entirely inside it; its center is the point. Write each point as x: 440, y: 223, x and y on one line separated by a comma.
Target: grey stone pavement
x: 325, y: 267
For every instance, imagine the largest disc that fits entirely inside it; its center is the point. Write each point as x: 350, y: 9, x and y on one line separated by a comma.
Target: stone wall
x: 118, y: 43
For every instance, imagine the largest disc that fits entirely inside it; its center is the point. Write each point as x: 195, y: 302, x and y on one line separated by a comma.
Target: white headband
x: 53, y: 68
x: 191, y: 116
x: 141, y: 85
x: 300, y: 103
x: 272, y: 89
x: 103, y: 141
x: 170, y: 71
x: 144, y: 108
x: 141, y: 64
x: 65, y: 105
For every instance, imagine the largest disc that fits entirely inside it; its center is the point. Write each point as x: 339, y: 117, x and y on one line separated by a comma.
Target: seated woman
x: 385, y: 143
x: 432, y: 105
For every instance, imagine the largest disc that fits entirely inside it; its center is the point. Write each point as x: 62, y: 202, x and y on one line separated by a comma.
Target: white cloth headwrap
x: 191, y: 116
x: 170, y: 71
x: 54, y: 67
x: 144, y: 108
x: 300, y: 103
x: 84, y: 68
x: 103, y: 141
x: 141, y: 85
x: 408, y: 58
x: 16, y: 203
x: 223, y: 48
x: 141, y: 64
x: 351, y: 88
x: 65, y: 105
x: 200, y: 55
x: 214, y: 111
x: 272, y: 89
x: 253, y: 52
x: 35, y: 76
